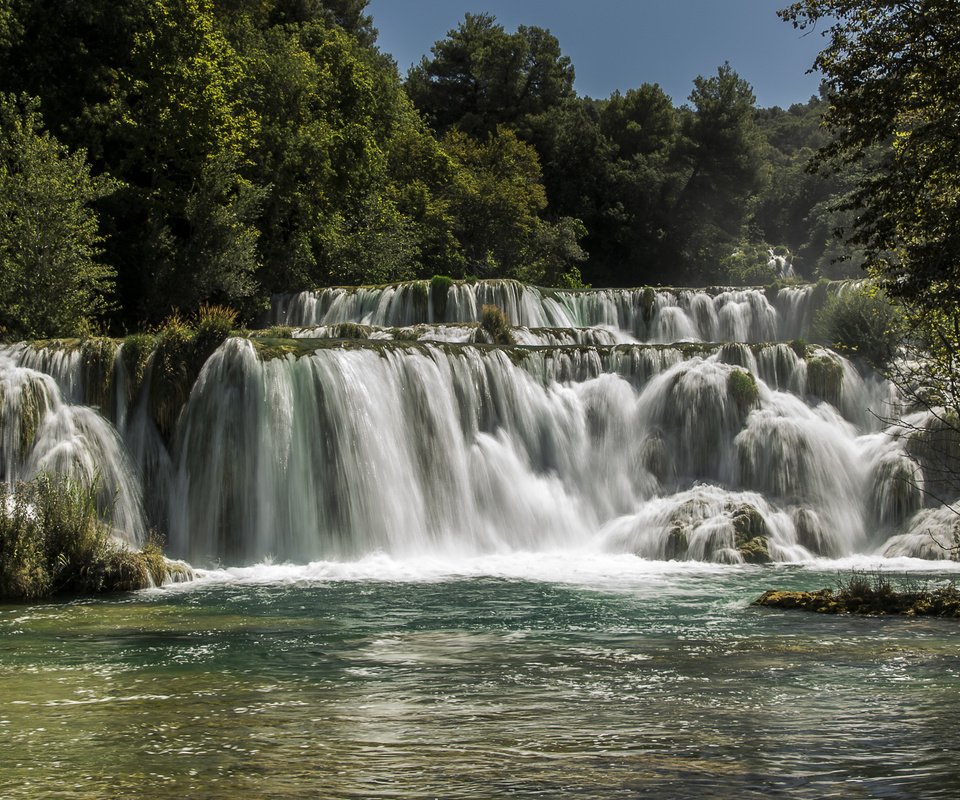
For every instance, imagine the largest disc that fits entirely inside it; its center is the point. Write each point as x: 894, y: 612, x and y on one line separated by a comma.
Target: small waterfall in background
x: 668, y: 423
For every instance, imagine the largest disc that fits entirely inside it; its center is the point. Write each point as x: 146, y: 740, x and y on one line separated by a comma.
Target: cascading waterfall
x: 41, y: 431
x: 364, y: 438
x: 646, y: 315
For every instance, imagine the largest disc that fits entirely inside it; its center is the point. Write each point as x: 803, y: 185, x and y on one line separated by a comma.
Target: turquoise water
x: 529, y: 677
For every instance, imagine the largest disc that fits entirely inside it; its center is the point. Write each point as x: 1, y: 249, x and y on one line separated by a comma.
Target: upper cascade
x: 649, y: 314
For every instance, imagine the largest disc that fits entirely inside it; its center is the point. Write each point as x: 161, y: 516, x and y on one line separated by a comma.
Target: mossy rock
x: 751, y: 533
x: 755, y: 551
x: 648, y: 299
x: 825, y: 379
x: 742, y: 387
x: 747, y: 522
x: 677, y: 542
x: 98, y: 360
x: 439, y: 288
x: 943, y: 602
x: 135, y: 354
x: 655, y: 458
x: 32, y: 409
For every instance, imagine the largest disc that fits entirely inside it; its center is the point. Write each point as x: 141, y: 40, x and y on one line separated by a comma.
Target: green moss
x: 439, y: 287
x: 751, y: 533
x: 420, y: 296
x: 865, y: 595
x: 135, y: 353
x: 277, y: 332
x: 32, y: 408
x: 799, y: 347
x: 351, y: 330
x: 742, y: 387
x: 98, y: 358
x: 825, y: 378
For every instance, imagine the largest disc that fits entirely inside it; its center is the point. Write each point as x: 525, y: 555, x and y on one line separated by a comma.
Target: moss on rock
x: 743, y: 389
x: 865, y: 597
x: 825, y: 379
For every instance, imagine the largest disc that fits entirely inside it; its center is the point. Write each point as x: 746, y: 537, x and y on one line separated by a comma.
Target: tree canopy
x: 259, y: 146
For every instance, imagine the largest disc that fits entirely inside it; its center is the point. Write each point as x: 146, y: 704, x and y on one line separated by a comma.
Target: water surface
x: 522, y: 676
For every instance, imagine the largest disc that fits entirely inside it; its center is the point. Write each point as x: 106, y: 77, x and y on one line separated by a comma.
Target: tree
x: 496, y: 199
x: 51, y: 278
x: 480, y: 77
x: 892, y: 71
x: 724, y: 172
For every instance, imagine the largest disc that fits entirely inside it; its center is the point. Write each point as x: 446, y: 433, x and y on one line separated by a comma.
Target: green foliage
x: 182, y: 348
x: 496, y: 199
x: 891, y: 74
x: 861, y: 321
x: 53, y: 541
x: 51, y: 277
x: 748, y: 265
x: 258, y: 146
x: 496, y: 325
x: 723, y: 159
x: 743, y: 389
x: 481, y: 77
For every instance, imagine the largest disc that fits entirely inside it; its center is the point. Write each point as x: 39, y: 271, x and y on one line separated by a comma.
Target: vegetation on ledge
x: 862, y: 594
x: 54, y: 542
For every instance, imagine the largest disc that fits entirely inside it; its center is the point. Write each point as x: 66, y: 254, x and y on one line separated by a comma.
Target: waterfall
x: 385, y: 431
x: 656, y: 315
x: 42, y: 431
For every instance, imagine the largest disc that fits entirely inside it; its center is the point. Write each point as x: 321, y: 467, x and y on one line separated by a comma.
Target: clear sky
x: 619, y: 44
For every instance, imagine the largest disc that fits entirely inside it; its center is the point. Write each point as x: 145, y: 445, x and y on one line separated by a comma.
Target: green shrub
x: 862, y: 322
x: 212, y: 325
x: 496, y: 325
x: 182, y: 349
x: 53, y: 541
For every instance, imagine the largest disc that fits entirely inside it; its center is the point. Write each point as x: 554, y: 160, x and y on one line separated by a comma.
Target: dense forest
x: 160, y: 154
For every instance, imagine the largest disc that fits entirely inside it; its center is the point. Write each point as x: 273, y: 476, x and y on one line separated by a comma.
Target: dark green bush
x: 862, y: 322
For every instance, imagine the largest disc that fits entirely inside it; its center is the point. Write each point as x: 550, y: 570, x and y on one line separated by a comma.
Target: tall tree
x: 724, y: 172
x: 480, y: 77
x: 892, y: 71
x: 52, y: 280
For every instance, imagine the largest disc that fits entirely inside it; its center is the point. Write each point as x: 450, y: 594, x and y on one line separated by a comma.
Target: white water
x: 645, y: 315
x: 453, y: 451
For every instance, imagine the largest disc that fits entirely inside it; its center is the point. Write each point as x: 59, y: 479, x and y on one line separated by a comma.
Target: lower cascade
x: 308, y: 449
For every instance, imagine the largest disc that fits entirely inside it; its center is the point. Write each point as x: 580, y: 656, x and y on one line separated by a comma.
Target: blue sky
x: 619, y: 44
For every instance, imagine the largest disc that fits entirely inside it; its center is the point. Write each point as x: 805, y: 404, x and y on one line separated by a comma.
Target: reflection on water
x: 475, y: 687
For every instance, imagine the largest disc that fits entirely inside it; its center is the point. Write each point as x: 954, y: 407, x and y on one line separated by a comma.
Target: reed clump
x: 54, y: 542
